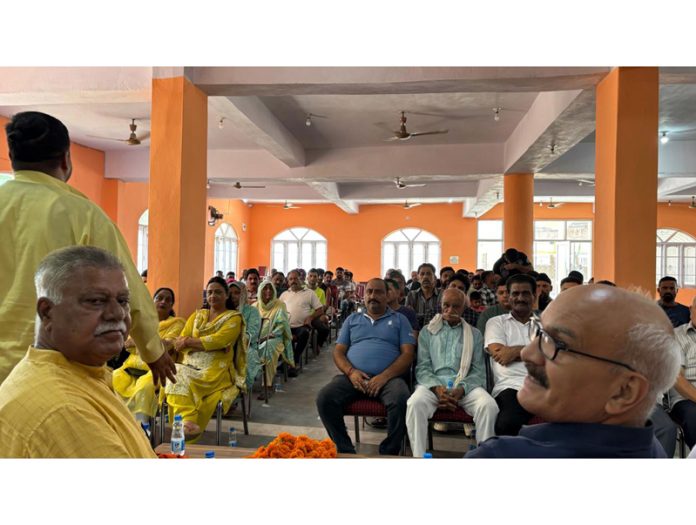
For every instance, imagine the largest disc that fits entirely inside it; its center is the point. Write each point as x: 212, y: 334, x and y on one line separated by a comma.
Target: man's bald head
x: 609, y: 323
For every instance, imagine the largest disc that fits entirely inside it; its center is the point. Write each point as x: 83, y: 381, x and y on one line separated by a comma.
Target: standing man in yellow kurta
x: 40, y: 213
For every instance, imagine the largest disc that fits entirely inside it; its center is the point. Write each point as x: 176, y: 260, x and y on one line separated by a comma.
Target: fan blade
x: 253, y: 186
x: 414, y: 204
x: 107, y: 138
x: 391, y: 139
x: 413, y: 186
x: 421, y: 133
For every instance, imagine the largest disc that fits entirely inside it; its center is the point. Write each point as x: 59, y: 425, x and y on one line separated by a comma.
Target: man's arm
x: 685, y: 388
x: 357, y: 377
x: 496, y: 343
x: 144, y: 329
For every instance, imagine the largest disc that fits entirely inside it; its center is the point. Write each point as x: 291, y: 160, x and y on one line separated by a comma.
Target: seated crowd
x: 589, y: 367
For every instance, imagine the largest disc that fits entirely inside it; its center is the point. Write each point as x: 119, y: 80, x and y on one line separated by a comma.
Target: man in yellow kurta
x: 39, y: 213
x: 58, y: 401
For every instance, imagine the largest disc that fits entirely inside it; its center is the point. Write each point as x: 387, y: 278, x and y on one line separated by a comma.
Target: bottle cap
x: 450, y: 383
x: 177, y: 417
x: 145, y: 425
x: 209, y: 453
x: 231, y: 429
x: 428, y: 455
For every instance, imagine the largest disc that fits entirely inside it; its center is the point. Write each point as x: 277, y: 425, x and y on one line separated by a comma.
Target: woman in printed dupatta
x: 276, y: 338
x: 133, y: 380
x: 252, y: 318
x: 213, y: 367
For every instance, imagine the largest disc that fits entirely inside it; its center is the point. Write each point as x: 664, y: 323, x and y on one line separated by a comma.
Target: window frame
x: 225, y: 249
x: 300, y: 242
x: 410, y: 242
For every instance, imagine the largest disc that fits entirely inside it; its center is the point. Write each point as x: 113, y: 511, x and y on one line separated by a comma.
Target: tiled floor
x: 294, y: 411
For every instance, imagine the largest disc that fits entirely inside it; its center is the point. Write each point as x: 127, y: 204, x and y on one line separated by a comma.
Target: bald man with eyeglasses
x: 595, y: 365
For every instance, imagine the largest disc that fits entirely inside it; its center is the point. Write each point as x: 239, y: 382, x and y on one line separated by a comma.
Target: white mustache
x: 111, y: 327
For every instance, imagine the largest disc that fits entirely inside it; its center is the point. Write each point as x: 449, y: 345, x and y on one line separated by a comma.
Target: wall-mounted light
x: 308, y: 120
x: 221, y: 123
x: 552, y: 148
x: 664, y: 139
x: 496, y: 114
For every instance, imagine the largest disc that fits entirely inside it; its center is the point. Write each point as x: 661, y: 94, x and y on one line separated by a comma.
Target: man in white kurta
x: 449, y: 349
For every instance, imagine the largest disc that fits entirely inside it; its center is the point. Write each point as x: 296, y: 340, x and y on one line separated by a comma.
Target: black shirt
x: 498, y: 266
x: 678, y: 314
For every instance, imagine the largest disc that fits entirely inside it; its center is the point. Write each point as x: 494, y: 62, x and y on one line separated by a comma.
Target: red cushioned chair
x: 364, y: 408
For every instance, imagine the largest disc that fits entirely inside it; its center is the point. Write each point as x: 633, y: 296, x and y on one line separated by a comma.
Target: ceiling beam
x: 274, y: 81
x: 555, y: 123
x: 674, y: 186
x: 329, y: 190
x: 452, y: 189
x: 251, y: 117
x: 488, y: 194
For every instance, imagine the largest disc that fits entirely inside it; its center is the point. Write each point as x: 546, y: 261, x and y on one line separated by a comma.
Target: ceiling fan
x: 226, y: 182
x: 408, y: 205
x: 290, y: 206
x: 132, y: 140
x: 401, y: 185
x: 403, y: 134
x: 586, y: 182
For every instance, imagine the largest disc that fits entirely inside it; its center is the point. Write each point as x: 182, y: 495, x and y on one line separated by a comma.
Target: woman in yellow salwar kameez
x: 213, y: 367
x: 276, y: 338
x: 133, y: 380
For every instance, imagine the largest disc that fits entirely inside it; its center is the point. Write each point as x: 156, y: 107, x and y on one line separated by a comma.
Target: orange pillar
x: 626, y: 177
x: 177, y: 191
x: 518, y: 212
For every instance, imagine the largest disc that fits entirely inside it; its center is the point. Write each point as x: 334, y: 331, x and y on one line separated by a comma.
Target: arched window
x: 298, y: 248
x: 676, y: 256
x: 408, y: 248
x: 142, y: 240
x: 225, y: 249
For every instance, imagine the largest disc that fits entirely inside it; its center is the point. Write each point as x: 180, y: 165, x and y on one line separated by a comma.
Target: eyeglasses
x: 550, y: 348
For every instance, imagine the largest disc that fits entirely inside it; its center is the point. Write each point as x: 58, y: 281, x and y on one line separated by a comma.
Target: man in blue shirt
x: 374, y: 350
x: 595, y: 366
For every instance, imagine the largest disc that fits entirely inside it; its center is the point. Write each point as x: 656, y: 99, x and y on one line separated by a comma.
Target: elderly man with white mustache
x: 59, y: 401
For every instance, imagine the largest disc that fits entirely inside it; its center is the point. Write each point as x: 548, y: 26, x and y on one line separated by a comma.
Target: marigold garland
x: 289, y: 446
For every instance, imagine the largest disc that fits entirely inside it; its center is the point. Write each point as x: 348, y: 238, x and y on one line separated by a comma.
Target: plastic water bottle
x: 232, y: 440
x: 428, y: 455
x: 209, y: 454
x: 450, y: 385
x: 277, y: 384
x: 146, y: 428
x: 178, y: 442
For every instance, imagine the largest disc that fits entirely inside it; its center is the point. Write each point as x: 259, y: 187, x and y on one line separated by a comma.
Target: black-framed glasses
x: 550, y: 348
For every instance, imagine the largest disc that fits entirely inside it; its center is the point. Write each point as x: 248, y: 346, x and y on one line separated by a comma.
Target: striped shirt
x: 686, y: 337
x: 488, y: 297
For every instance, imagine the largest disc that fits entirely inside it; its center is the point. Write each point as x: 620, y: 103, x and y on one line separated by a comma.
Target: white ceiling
x: 344, y: 157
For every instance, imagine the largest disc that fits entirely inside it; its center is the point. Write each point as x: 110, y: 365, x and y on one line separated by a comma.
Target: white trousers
x: 423, y: 403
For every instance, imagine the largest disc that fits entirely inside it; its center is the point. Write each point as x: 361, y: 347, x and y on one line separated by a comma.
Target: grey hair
x: 654, y: 352
x: 63, y: 265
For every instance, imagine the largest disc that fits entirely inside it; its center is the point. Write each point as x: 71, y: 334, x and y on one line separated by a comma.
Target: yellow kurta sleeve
x: 227, y: 335
x: 173, y: 331
x: 187, y: 330
x: 103, y: 233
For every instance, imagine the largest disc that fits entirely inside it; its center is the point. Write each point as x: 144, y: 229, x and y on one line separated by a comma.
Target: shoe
x: 440, y: 427
x: 378, y: 422
x: 292, y: 372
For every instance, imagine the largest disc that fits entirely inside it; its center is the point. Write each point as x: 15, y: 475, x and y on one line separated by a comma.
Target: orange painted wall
x: 354, y: 241
x: 4, y: 155
x: 236, y: 214
x: 132, y: 202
